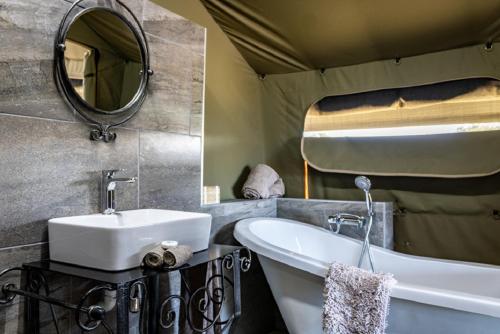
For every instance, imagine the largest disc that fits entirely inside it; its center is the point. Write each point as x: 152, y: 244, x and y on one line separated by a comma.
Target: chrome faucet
x: 108, y: 186
x: 340, y: 219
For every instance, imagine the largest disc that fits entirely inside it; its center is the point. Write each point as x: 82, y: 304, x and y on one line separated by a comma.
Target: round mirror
x: 102, y: 65
x: 103, y: 60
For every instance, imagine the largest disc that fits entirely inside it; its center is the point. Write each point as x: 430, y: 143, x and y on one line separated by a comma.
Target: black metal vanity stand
x: 200, y: 306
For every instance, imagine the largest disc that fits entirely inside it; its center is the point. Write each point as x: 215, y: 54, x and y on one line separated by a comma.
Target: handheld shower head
x: 363, y: 183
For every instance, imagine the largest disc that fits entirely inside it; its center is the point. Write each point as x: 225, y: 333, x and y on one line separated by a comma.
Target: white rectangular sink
x: 120, y: 241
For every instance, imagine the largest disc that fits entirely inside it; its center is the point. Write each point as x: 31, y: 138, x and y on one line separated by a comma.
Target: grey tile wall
x: 227, y: 214
x: 168, y: 105
x: 48, y: 166
x: 170, y: 171
x: 27, y: 30
x: 50, y: 169
x: 316, y: 212
x: 172, y: 28
x: 197, y: 94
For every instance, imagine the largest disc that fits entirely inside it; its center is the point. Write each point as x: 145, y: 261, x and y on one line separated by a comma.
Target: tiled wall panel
x: 49, y: 167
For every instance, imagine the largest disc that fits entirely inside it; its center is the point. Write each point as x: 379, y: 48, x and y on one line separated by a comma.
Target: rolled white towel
x: 259, y: 182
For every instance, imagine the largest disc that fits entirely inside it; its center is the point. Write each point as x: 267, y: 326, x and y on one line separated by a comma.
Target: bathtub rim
x: 419, y: 293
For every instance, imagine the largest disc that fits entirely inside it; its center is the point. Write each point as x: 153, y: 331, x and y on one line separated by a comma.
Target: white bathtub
x: 431, y: 296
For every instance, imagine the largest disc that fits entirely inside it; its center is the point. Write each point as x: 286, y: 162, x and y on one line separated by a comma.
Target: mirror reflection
x: 103, y: 60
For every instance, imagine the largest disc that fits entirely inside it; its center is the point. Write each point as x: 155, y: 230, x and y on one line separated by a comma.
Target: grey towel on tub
x: 355, y: 301
x: 259, y: 182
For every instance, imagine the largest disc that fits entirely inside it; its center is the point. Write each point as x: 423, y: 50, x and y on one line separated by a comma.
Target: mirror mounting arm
x: 102, y: 134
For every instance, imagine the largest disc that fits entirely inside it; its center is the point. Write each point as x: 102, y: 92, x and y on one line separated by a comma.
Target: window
x: 469, y: 105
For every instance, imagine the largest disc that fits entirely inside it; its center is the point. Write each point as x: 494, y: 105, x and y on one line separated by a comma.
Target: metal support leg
x: 154, y: 304
x: 31, y: 306
x: 122, y: 308
x: 236, y: 291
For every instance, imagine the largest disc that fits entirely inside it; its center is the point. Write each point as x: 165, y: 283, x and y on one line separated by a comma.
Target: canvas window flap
x: 458, y: 155
x: 458, y: 102
x: 448, y: 155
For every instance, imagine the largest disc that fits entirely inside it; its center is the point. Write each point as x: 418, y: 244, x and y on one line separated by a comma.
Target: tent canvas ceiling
x: 263, y: 120
x: 283, y: 36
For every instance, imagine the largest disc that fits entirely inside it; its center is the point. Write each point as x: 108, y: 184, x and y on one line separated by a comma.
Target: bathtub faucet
x: 348, y: 219
x: 340, y: 219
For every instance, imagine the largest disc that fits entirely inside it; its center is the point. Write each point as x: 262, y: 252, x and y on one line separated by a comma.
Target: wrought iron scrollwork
x: 228, y: 262
x: 198, y: 303
x: 245, y: 261
x: 216, y: 304
x: 211, y: 296
x: 91, y: 317
x: 204, y: 298
x: 168, y: 316
x: 88, y: 318
x: 6, y: 296
x: 37, y: 281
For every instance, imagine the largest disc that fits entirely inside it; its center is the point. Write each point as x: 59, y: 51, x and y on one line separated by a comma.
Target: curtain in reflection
x: 89, y: 77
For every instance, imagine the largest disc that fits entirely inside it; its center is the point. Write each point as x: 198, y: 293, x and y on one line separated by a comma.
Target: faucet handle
x: 345, y: 219
x: 334, y: 221
x: 111, y: 172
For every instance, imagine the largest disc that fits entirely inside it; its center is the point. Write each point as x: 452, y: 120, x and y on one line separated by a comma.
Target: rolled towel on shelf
x: 161, y: 257
x: 356, y: 300
x: 177, y: 256
x: 277, y: 189
x: 154, y: 259
x: 259, y: 182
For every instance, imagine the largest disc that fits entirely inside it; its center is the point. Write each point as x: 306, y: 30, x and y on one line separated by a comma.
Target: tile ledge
x: 238, y: 201
x: 327, y: 200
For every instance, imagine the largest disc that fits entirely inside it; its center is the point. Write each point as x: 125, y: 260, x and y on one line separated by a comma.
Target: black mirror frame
x: 101, y: 120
